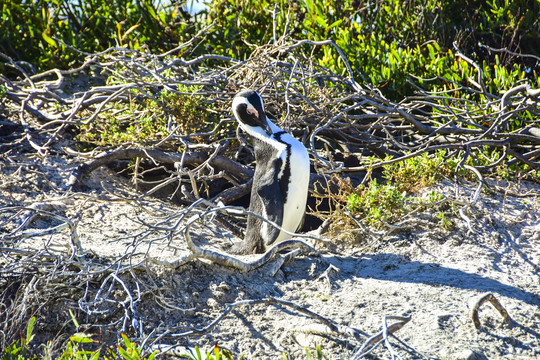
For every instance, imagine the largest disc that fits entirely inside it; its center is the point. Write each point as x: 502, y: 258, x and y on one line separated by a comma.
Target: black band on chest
x: 285, y: 178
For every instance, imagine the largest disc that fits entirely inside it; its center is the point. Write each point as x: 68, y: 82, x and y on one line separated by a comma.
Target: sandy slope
x: 432, y: 275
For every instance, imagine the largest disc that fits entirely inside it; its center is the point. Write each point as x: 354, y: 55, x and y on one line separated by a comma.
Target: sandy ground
x: 432, y: 275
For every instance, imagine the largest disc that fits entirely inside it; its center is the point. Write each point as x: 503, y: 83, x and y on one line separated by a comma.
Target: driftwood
x: 185, y: 159
x: 318, y: 182
x: 326, y: 327
x: 350, y: 128
x: 371, y: 343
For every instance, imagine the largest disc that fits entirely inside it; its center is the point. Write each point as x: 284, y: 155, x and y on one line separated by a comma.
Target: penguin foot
x: 244, y: 248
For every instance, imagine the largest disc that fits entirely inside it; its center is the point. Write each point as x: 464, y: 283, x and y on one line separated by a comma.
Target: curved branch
x: 190, y: 159
x: 229, y: 261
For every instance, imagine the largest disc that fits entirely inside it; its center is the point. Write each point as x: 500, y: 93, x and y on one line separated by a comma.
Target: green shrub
x: 385, y: 41
x: 388, y: 202
x: 388, y: 41
x: 149, y: 121
x: 19, y: 349
x: 30, y: 29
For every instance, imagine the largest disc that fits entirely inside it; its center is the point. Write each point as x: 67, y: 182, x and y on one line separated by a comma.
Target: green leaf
x: 431, y: 51
x: 318, y: 8
x: 74, y: 319
x: 227, y: 354
x: 124, y: 353
x: 151, y: 10
x: 126, y: 341
x: 81, y: 338
x: 320, y: 21
x: 309, y: 4
x: 29, y: 335
x: 95, y: 355
x: 336, y: 23
x: 395, y: 53
x: 48, y: 39
x: 319, y: 352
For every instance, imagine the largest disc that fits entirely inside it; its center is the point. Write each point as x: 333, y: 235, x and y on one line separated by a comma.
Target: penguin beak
x: 266, y: 126
x: 261, y: 117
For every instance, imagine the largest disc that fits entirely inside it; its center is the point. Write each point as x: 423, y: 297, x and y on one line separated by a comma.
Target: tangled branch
x: 320, y: 105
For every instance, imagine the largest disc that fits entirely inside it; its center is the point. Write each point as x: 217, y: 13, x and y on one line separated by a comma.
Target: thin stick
x: 493, y: 300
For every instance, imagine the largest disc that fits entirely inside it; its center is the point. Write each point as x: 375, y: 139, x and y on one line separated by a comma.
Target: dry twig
x: 493, y: 300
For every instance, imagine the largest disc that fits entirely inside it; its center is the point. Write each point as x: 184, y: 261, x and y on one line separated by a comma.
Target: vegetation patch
x: 149, y: 120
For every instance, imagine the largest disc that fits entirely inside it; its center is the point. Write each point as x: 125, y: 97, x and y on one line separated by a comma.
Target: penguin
x: 281, y: 179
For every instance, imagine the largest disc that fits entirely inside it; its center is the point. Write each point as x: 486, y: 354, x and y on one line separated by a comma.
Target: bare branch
x: 493, y: 300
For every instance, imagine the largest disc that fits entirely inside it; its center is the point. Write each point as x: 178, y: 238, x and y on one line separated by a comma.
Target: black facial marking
x: 254, y: 99
x: 249, y: 118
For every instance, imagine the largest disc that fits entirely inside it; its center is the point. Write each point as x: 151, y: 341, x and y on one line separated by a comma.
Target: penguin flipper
x: 271, y: 199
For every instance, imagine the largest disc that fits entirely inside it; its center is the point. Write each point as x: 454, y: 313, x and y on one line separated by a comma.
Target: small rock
x: 212, y: 303
x: 219, y: 294
x: 224, y: 286
x: 444, y: 321
x: 468, y: 354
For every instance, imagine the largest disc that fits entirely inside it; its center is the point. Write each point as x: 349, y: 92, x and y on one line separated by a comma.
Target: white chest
x: 294, y: 206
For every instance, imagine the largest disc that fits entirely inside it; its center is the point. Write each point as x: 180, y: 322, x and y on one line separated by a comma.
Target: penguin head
x: 248, y: 108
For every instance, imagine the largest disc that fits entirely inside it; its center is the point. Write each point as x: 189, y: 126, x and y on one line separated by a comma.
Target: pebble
x: 467, y: 354
x: 212, y: 303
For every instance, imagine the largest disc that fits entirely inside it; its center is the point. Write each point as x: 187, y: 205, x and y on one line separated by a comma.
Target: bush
x: 30, y: 29
x: 387, y: 42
